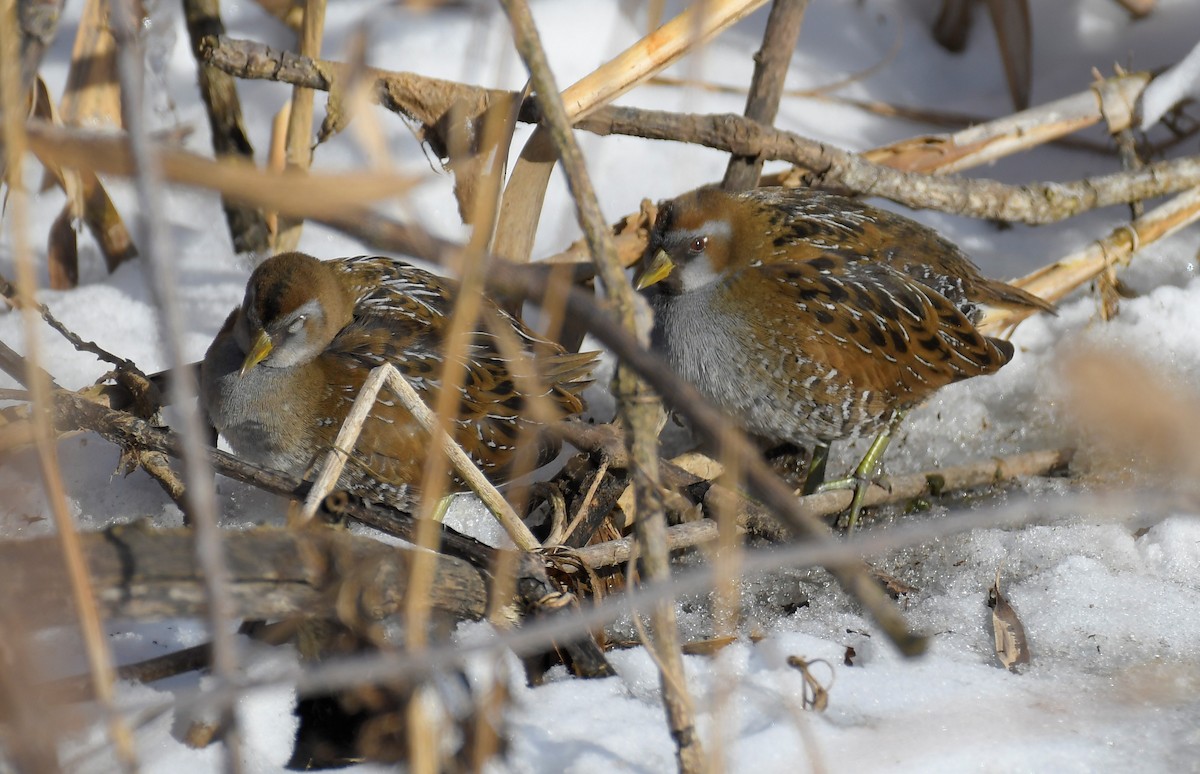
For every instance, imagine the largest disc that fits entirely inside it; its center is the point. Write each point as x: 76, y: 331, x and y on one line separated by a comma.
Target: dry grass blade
x: 93, y: 92
x: 1012, y: 647
x: 87, y: 199
x: 301, y: 195
x: 93, y: 98
x: 62, y: 248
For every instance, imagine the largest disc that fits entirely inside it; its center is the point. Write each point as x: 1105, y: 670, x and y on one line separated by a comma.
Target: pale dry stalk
x: 636, y: 403
x: 1055, y: 281
x: 336, y: 458
x: 99, y: 657
x: 161, y: 276
x: 300, y: 119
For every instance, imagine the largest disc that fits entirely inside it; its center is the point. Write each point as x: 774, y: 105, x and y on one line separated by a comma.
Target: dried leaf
x: 815, y: 695
x: 1011, y: 646
x: 894, y: 586
x: 86, y: 197
x: 62, y: 251
x: 93, y: 93
x: 708, y: 647
x: 953, y: 24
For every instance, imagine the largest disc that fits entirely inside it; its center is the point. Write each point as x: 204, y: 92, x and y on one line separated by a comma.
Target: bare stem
x: 163, y: 282
x: 635, y: 401
x: 766, y: 85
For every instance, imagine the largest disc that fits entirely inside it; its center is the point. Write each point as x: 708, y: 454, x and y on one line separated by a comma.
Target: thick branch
x: 149, y: 574
x: 1034, y: 204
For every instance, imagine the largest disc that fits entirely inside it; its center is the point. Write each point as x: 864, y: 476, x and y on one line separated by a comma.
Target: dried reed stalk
x: 302, y: 195
x: 218, y: 91
x: 636, y: 405
x: 300, y: 118
x: 1055, y: 281
x: 766, y: 85
x: 521, y: 206
x: 99, y: 657
x: 336, y: 459
x: 163, y: 282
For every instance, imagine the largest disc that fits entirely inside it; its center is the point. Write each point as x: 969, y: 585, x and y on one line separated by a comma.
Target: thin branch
x: 1032, y: 203
x: 766, y: 85
x: 635, y: 404
x: 75, y: 340
x: 300, y: 195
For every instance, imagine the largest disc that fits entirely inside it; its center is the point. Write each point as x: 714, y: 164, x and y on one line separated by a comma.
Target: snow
x: 1112, y: 613
x: 1172, y: 87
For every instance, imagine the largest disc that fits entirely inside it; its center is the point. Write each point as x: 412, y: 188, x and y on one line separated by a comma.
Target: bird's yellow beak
x: 659, y: 269
x: 262, y: 347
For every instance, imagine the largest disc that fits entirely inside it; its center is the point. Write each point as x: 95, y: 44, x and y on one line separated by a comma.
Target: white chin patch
x: 697, y: 273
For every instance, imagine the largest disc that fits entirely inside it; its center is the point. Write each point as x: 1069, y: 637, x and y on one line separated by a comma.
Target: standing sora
x: 281, y: 375
x: 811, y: 317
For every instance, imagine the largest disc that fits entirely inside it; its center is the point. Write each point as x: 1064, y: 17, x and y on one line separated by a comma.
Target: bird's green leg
x: 816, y: 469
x: 864, y: 475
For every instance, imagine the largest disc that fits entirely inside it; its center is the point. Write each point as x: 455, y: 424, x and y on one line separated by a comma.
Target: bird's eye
x: 698, y: 244
x: 297, y: 324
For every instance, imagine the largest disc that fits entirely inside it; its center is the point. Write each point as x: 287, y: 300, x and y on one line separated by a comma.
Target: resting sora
x: 283, y: 372
x: 812, y: 318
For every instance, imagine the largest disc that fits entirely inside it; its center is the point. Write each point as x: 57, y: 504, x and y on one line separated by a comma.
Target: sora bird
x: 281, y: 375
x: 812, y: 318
